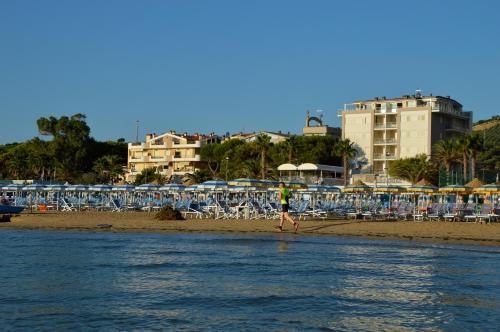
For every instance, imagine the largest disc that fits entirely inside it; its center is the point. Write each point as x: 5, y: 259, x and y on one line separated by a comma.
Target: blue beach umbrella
x: 125, y: 187
x: 246, y: 182
x: 55, y: 187
x: 173, y: 187
x: 213, y: 185
x: 13, y: 187
x: 147, y: 187
x: 34, y: 187
x: 77, y: 187
x: 101, y: 187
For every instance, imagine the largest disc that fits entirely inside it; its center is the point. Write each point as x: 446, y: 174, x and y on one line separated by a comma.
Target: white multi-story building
x: 387, y: 129
x: 170, y: 154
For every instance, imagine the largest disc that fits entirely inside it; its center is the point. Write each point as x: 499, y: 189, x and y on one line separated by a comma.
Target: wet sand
x: 437, y: 232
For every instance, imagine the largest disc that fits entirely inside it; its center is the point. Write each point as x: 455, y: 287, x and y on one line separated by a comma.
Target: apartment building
x: 387, y: 129
x: 251, y: 137
x: 170, y: 154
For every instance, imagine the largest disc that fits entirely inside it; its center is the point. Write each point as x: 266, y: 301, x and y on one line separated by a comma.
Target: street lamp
x: 227, y: 162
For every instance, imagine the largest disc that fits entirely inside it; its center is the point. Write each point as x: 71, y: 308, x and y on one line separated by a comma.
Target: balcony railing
x: 385, y: 141
x: 384, y: 156
x: 385, y: 125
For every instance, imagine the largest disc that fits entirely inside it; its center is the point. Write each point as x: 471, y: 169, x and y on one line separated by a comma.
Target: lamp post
x: 227, y: 163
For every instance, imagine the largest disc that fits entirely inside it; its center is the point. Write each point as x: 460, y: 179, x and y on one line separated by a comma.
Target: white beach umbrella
x: 34, y: 187
x: 77, y: 187
x: 147, y: 187
x: 101, y: 187
x: 13, y: 187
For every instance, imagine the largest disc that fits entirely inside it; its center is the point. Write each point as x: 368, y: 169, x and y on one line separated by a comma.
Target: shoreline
x: 142, y: 222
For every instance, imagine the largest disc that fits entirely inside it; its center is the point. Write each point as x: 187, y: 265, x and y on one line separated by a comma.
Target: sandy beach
x: 438, y: 232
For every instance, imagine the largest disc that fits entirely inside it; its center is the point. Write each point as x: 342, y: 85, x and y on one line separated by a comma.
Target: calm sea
x: 198, y: 282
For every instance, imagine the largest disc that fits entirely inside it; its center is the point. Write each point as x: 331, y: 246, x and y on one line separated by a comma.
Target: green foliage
x: 71, y: 154
x: 414, y: 169
x: 149, y: 175
x: 345, y: 149
x: 197, y: 177
x: 169, y: 213
x: 245, y: 159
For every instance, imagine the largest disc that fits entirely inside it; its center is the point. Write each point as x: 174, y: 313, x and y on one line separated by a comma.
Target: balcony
x: 382, y: 141
x: 162, y: 145
x: 387, y: 125
x: 194, y: 144
x: 136, y: 159
x: 186, y: 158
x: 387, y: 156
x: 136, y: 146
x: 158, y: 159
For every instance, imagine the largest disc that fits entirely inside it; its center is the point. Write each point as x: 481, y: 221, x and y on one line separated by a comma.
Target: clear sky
x: 202, y: 66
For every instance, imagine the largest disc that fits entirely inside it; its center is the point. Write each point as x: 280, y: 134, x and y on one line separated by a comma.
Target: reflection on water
x: 222, y: 282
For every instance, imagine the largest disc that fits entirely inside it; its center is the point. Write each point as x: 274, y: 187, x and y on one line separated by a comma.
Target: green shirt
x: 285, y: 194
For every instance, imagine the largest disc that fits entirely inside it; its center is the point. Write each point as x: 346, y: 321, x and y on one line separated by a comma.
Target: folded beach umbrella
x: 100, y: 187
x: 147, y: 187
x: 172, y: 187
x: 13, y: 187
x: 34, y: 187
x: 124, y: 187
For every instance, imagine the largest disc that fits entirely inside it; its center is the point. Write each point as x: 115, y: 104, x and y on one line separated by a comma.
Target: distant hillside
x: 485, y: 124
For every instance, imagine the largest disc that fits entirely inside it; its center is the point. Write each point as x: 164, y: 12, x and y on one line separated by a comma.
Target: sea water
x: 202, y: 282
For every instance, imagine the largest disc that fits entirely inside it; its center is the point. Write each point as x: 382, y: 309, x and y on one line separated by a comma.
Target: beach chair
x: 116, y: 205
x: 66, y: 205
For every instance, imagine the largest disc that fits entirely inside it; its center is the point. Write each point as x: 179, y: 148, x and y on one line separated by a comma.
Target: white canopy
x: 287, y: 167
x: 317, y: 167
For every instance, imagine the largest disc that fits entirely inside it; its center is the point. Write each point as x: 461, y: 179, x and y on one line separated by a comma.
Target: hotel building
x: 170, y: 154
x: 387, y: 129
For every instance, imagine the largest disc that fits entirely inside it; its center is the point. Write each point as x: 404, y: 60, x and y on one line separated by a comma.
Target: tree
x: 250, y: 169
x: 414, y: 169
x: 345, y: 149
x: 108, y: 168
x: 446, y: 152
x: 263, y: 143
x: 463, y: 146
x: 291, y: 146
x: 197, y: 177
x: 476, y: 145
x: 148, y: 175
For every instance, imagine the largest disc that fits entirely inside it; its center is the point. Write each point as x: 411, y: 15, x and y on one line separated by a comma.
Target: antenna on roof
x: 137, y: 131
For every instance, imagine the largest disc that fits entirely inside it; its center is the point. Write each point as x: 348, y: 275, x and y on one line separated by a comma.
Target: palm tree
x: 413, y: 169
x: 250, y: 169
x: 463, y: 144
x: 446, y: 151
x: 196, y: 177
x: 263, y: 143
x: 345, y: 149
x: 475, y: 146
x: 291, y: 146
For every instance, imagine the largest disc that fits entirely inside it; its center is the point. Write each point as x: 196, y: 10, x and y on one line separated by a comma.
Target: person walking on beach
x: 284, y: 196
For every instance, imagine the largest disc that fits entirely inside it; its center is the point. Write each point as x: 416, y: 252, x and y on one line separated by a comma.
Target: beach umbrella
x: 296, y: 185
x: 101, y: 187
x: 124, y: 187
x: 213, y: 185
x: 422, y: 189
x: 475, y: 183
x: 241, y: 188
x: 77, y: 187
x: 389, y: 188
x: 193, y: 187
x: 490, y: 189
x: 55, y: 187
x: 357, y: 187
x: 34, y: 187
x: 147, y: 187
x: 172, y: 187
x: 245, y: 182
x: 456, y: 189
x: 13, y: 187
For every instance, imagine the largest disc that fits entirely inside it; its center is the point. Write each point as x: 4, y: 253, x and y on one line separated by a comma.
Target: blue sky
x: 202, y: 66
